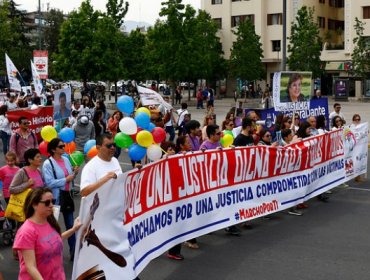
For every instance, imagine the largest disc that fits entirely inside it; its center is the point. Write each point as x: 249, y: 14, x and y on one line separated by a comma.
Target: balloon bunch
x: 67, y: 135
x: 138, y: 134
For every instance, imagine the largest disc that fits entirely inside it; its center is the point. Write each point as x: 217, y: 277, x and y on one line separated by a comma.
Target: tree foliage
x: 89, y: 46
x: 246, y: 53
x: 53, y: 22
x: 13, y: 39
x: 117, y: 9
x: 183, y: 46
x: 305, y: 44
x: 361, y: 51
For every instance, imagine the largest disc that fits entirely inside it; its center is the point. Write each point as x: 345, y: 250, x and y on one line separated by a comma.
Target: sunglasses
x: 109, y: 146
x: 48, y: 202
x: 61, y: 146
x: 231, y: 124
x: 218, y: 133
x: 268, y: 135
x: 357, y: 120
x: 25, y: 123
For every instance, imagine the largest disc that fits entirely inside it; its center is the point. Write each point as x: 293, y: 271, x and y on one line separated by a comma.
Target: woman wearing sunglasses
x: 59, y: 175
x: 39, y: 240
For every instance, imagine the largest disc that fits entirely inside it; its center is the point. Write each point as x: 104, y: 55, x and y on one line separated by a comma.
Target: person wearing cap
x: 84, y: 131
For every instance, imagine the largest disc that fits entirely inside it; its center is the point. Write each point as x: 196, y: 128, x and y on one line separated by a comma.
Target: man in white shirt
x: 102, y: 168
x: 182, y: 112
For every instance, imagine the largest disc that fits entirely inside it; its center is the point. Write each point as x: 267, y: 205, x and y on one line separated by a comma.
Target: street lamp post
x: 39, y: 24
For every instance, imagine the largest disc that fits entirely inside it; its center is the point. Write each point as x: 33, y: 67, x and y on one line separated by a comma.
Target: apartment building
x: 335, y: 18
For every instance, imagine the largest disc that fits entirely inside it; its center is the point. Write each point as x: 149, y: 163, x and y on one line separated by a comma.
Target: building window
x: 321, y: 22
x: 274, y: 19
x: 218, y: 22
x: 336, y: 3
x: 366, y: 12
x: 335, y: 24
x: 322, y: 1
x: 276, y: 45
x: 236, y: 20
x: 215, y: 2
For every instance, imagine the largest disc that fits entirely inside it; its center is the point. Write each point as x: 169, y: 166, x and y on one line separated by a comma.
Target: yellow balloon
x: 48, y: 133
x: 227, y: 140
x: 144, y: 138
x: 144, y: 110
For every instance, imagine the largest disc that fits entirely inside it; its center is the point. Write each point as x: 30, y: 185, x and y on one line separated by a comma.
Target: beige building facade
x: 335, y: 19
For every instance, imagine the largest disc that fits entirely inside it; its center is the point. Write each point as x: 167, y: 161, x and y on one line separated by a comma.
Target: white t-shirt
x: 181, y: 114
x: 98, y: 168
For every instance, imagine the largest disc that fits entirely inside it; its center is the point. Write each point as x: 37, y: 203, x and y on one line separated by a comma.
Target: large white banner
x: 136, y: 218
x: 150, y: 97
x: 12, y: 72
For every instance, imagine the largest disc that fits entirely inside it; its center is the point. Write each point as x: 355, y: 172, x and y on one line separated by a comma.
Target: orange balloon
x: 70, y: 147
x: 92, y: 152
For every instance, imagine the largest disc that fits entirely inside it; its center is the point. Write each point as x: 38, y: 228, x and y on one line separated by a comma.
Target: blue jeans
x: 5, y: 138
x: 171, y: 131
x: 68, y: 221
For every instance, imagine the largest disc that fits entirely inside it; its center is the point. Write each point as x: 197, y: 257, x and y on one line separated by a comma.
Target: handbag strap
x: 52, y: 168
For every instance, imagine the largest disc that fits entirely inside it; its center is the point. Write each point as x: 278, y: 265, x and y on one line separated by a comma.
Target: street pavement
x: 331, y: 241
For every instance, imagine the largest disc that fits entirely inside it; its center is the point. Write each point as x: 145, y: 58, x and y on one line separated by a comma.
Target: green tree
x: 89, y: 46
x: 134, y: 55
x: 117, y: 9
x: 13, y: 39
x: 53, y: 23
x: 361, y: 51
x: 305, y: 44
x: 246, y: 53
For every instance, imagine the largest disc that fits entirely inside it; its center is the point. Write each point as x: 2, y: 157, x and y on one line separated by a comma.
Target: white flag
x: 37, y: 83
x: 150, y: 97
x: 12, y: 74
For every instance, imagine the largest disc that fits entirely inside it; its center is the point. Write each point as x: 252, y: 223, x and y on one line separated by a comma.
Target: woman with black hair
x: 59, y: 175
x: 39, y: 240
x: 304, y: 130
x: 29, y: 176
x: 321, y: 124
x: 99, y: 124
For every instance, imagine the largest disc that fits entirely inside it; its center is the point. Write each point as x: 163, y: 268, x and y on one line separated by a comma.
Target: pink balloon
x: 159, y: 134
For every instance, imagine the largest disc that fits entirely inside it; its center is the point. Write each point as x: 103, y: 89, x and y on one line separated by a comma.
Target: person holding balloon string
x: 113, y: 128
x: 59, y: 174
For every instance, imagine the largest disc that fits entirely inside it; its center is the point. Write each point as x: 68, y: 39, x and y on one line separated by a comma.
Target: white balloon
x: 128, y: 126
x: 154, y: 152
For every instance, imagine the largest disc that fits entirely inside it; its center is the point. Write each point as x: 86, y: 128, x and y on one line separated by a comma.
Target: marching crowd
x: 27, y: 170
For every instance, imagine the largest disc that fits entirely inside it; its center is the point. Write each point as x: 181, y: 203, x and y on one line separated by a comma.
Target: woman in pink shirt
x: 39, y: 240
x: 29, y: 176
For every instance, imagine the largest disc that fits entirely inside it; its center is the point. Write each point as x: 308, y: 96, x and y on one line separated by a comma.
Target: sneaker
x: 233, y: 230
x: 323, y: 198
x: 295, y: 212
x: 191, y: 245
x: 329, y: 192
x: 177, y: 257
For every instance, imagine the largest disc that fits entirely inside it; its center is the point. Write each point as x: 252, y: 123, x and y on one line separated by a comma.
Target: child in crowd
x: 7, y: 173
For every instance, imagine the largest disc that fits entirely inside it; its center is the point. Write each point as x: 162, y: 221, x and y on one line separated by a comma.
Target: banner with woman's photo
x: 292, y: 91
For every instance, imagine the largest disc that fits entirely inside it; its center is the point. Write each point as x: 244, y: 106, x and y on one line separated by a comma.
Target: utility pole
x: 283, y: 64
x: 39, y: 24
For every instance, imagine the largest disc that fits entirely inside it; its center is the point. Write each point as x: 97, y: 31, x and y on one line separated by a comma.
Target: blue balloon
x: 88, y: 145
x: 125, y: 104
x: 67, y: 135
x: 136, y: 152
x: 151, y: 127
x: 142, y: 120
